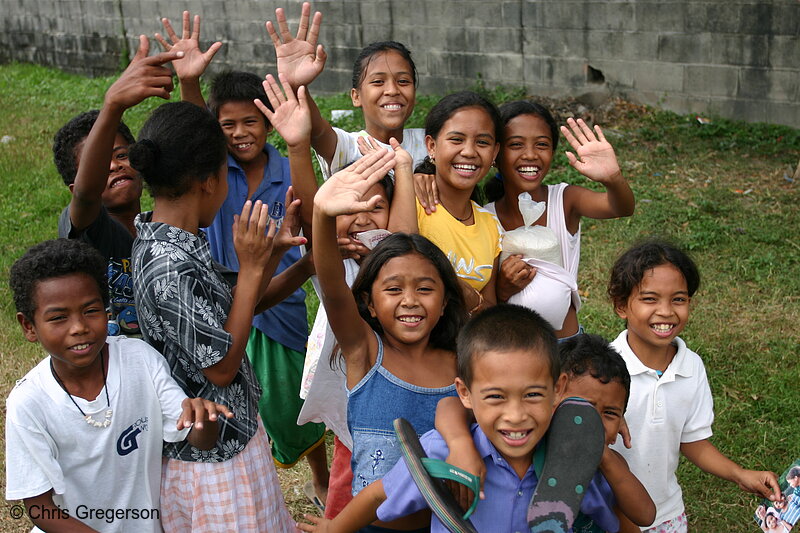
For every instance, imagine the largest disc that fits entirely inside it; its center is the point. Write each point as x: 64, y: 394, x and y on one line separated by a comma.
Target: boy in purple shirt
x: 510, y: 377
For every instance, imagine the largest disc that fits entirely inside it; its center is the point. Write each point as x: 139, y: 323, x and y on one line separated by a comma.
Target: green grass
x: 718, y: 189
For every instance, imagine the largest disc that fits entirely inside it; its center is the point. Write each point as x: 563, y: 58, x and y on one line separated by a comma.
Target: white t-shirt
x: 347, y: 149
x: 662, y: 413
x: 94, y: 469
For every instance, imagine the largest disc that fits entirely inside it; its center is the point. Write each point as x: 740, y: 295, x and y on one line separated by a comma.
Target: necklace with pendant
x: 88, y: 418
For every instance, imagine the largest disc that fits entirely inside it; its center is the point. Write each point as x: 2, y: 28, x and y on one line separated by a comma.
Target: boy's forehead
x: 612, y: 393
x: 491, y: 360
x: 78, y: 285
x: 238, y: 108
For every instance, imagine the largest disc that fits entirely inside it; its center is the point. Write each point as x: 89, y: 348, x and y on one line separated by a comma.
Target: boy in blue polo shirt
x: 510, y: 376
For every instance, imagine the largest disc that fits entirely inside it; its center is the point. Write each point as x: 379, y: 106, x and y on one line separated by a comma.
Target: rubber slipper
x: 311, y: 494
x: 574, y: 448
x: 427, y: 474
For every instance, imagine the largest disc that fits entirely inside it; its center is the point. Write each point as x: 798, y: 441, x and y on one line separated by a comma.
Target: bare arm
x: 144, y: 77
x: 632, y: 498
x: 284, y: 284
x: 194, y: 62
x: 201, y: 415
x: 50, y: 518
x: 452, y: 422
x: 360, y: 512
x: 709, y: 459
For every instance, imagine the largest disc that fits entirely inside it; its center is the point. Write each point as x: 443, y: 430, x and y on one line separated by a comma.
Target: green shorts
x: 279, y: 370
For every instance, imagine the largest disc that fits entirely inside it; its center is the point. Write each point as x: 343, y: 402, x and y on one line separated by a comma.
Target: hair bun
x: 143, y: 155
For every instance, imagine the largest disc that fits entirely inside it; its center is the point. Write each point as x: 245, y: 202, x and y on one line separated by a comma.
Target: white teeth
x: 80, y: 346
x: 516, y: 435
x: 461, y: 166
x: 528, y: 170
x: 662, y: 328
x: 411, y: 319
x: 242, y: 146
x: 392, y: 107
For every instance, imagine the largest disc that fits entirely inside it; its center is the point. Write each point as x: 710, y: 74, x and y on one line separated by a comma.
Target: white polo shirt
x: 662, y: 413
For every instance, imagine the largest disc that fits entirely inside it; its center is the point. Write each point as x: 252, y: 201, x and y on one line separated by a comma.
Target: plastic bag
x: 537, y: 242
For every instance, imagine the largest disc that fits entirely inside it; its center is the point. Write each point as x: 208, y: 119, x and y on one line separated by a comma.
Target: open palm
x: 299, y: 58
x: 595, y: 156
x: 342, y: 194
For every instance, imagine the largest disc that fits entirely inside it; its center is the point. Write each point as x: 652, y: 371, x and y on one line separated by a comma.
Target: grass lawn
x: 723, y: 190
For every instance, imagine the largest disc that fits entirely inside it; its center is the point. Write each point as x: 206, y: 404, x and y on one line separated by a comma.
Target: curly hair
x: 593, y: 355
x: 630, y: 268
x: 73, y: 134
x: 54, y: 259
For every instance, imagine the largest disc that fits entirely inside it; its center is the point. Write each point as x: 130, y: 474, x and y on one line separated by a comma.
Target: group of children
x: 413, y: 321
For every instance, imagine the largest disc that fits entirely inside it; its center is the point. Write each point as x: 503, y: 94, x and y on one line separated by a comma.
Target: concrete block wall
x: 734, y: 58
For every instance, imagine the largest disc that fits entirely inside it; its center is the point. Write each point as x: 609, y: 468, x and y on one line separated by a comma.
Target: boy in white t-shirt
x: 85, y: 427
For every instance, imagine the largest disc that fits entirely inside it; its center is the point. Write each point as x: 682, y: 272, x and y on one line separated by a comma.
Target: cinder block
x: 754, y: 83
x: 658, y: 17
x: 684, y: 48
x: 755, y: 18
x: 618, y: 74
x: 783, y: 85
x: 657, y: 76
x: 721, y: 17
x: 511, y: 14
x: 784, y: 52
x: 711, y: 81
x: 374, y: 12
x: 786, y: 19
x: 565, y: 15
x: 604, y: 44
x: 639, y: 46
x: 739, y: 49
x: 532, y: 70
x: 555, y: 42
x: 532, y: 15
x: 783, y: 113
x: 507, y: 41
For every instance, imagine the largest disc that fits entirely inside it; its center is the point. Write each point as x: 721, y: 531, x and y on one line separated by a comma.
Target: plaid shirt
x: 183, y: 305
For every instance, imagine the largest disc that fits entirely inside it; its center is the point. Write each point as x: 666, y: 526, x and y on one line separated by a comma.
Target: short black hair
x: 793, y: 472
x: 368, y: 52
x: 54, y: 259
x: 179, y: 144
x: 630, y: 268
x: 593, y: 355
x: 71, y: 135
x: 236, y: 86
x: 503, y: 328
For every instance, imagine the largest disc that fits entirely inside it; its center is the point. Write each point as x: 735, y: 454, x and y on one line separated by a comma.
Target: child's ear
x: 621, y: 308
x: 355, y: 97
x: 560, y: 388
x: 71, y: 187
x: 28, y: 328
x: 370, y: 307
x: 430, y: 145
x: 463, y: 393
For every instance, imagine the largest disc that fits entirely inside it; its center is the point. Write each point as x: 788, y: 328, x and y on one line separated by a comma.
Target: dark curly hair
x: 504, y: 328
x: 236, y: 86
x: 630, y: 268
x: 592, y: 354
x: 70, y: 136
x: 494, y: 189
x: 400, y: 244
x: 180, y: 143
x: 371, y: 50
x: 54, y: 259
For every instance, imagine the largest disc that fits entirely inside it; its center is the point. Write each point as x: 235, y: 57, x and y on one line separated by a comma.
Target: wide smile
x: 82, y: 348
x: 529, y: 172
x: 392, y: 107
x: 241, y: 147
x: 120, y: 181
x: 465, y: 170
x: 663, y: 330
x: 411, y: 321
x: 517, y: 437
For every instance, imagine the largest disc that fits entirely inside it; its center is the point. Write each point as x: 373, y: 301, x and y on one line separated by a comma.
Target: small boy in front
x: 85, y: 427
x: 510, y: 376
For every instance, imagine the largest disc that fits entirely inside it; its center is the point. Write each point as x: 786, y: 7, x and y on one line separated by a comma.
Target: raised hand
x: 595, y: 156
x: 287, y: 235
x: 299, y: 58
x: 290, y: 115
x: 196, y: 411
x: 251, y: 241
x: 367, y: 145
x: 342, y: 193
x: 194, y: 61
x: 144, y: 77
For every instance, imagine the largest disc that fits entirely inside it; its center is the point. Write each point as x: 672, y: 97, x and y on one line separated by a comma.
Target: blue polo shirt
x: 507, y: 496
x: 286, y: 322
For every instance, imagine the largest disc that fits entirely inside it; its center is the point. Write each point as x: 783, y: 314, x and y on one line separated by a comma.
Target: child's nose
x: 468, y: 148
x: 78, y: 326
x: 390, y: 87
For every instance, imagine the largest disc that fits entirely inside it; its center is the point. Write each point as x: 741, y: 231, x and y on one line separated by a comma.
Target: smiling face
x: 464, y: 149
x: 527, y: 152
x: 386, y: 94
x: 407, y: 298
x: 245, y: 131
x: 656, y: 311
x: 378, y: 218
x: 124, y: 185
x: 70, y: 321
x: 607, y: 398
x: 512, y: 396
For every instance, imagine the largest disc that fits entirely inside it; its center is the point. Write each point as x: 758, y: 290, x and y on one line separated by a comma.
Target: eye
x: 534, y: 395
x: 484, y: 142
x: 514, y: 145
x: 425, y: 289
x: 648, y: 299
x: 122, y: 156
x: 543, y: 145
x: 455, y: 139
x: 55, y: 318
x: 392, y: 289
x: 611, y: 414
x: 493, y: 397
x: 376, y: 82
x: 680, y: 299
x: 404, y: 81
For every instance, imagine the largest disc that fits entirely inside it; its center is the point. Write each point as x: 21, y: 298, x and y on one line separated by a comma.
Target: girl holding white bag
x: 541, y: 249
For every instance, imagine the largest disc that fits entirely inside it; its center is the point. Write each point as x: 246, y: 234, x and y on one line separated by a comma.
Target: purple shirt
x: 507, y: 496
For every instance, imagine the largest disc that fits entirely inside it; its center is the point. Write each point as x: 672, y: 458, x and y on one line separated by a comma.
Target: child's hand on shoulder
x: 317, y: 524
x: 290, y: 115
x: 194, y: 61
x: 595, y: 156
x: 197, y: 411
x: 299, y: 58
x: 342, y: 193
x: 144, y: 77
